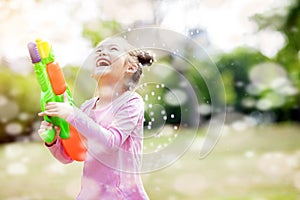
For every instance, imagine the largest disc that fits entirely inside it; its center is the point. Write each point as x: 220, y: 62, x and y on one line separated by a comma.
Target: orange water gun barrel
x: 75, y: 145
x: 56, y: 78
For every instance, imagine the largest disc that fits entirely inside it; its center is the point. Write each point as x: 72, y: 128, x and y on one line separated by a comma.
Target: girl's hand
x: 58, y: 109
x: 48, y: 126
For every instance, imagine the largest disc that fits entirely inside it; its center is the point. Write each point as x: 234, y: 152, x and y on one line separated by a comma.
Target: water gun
x: 53, y: 88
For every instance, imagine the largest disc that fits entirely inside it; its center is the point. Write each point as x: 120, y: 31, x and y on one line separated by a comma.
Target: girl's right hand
x: 48, y: 126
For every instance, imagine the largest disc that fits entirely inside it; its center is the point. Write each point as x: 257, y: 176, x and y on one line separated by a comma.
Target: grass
x: 261, y: 163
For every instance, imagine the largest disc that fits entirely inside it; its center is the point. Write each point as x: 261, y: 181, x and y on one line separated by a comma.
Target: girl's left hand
x: 58, y: 109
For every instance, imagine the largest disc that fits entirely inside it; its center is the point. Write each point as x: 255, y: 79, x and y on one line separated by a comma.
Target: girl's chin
x: 102, y: 70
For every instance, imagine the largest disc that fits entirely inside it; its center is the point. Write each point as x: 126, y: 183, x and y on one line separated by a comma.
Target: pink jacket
x: 114, y: 136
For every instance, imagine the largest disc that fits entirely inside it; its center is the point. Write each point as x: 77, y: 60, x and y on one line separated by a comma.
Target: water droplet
x: 172, y: 116
x: 146, y: 97
x: 152, y: 93
x: 150, y: 105
x: 157, y: 86
x: 163, y: 112
x: 152, y: 119
x: 162, y: 85
x: 149, y: 127
x: 165, y: 117
x: 151, y: 113
x: 159, y: 98
x: 175, y: 127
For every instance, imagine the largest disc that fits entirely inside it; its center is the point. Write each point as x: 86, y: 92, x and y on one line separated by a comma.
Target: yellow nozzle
x: 44, y: 48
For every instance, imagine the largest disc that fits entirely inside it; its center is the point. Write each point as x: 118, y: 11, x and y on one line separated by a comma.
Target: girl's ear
x: 132, y: 66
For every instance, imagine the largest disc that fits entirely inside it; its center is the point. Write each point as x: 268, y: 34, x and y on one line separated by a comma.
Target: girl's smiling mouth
x: 103, y: 62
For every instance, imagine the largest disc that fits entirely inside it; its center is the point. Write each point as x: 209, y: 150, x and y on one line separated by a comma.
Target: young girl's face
x: 110, y: 59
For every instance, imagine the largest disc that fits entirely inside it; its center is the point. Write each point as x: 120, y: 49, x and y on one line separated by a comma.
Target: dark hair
x: 143, y: 58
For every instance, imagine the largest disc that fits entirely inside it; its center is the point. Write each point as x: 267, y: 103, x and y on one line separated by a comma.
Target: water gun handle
x: 48, y: 135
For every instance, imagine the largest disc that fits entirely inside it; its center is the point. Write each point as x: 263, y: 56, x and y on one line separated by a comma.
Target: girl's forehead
x: 114, y: 42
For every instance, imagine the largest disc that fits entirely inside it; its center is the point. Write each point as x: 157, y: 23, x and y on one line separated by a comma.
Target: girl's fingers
x: 46, y: 123
x: 41, y: 114
x: 51, y: 113
x: 57, y: 129
x: 51, y: 103
x: 41, y: 130
x: 46, y: 126
x: 51, y: 106
x: 66, y: 98
x: 48, y: 113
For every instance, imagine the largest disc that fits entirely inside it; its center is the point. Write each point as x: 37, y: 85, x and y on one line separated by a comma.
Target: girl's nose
x: 103, y: 52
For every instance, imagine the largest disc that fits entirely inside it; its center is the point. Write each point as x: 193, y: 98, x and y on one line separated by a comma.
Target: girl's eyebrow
x: 108, y: 45
x: 113, y: 45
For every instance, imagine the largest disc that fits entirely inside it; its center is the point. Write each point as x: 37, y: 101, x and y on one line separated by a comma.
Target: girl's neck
x: 107, y: 92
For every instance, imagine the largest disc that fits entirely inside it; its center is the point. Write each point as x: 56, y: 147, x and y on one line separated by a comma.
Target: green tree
x: 19, y: 102
x: 235, y: 68
x: 288, y: 23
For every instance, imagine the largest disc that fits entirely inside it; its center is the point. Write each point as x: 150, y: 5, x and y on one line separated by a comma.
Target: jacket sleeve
x: 58, y: 151
x: 109, y: 139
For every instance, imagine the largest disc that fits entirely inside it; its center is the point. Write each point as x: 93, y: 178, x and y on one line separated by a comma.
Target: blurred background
x: 253, y: 44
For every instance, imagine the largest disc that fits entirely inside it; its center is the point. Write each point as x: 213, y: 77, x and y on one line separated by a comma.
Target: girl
x: 111, y: 122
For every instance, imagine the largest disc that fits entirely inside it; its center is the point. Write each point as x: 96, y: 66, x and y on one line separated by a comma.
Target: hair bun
x: 145, y: 58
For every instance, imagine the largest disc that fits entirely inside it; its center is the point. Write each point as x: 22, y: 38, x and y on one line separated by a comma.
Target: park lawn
x: 261, y: 163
